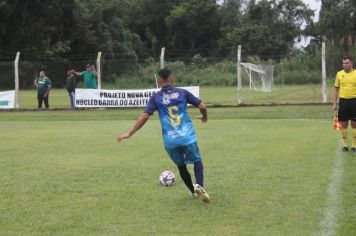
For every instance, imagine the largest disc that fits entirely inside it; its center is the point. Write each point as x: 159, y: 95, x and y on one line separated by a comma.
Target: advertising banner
x: 119, y: 98
x: 7, y: 99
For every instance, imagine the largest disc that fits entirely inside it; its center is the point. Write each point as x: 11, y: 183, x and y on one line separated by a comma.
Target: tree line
x: 62, y: 30
x: 137, y: 28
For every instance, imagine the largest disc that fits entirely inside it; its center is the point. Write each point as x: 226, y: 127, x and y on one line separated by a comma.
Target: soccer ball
x: 167, y: 178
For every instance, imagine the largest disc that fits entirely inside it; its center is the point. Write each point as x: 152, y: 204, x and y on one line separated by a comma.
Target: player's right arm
x: 141, y: 120
x: 336, y: 92
x: 335, y: 96
x: 76, y: 73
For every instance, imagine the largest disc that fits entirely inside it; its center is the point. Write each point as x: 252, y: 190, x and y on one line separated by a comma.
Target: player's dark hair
x: 164, y: 73
x: 347, y: 58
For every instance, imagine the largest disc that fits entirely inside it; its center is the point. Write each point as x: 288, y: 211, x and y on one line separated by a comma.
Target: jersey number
x: 175, y: 118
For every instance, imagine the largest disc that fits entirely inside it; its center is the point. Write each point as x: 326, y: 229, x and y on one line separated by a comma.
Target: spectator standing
x: 70, y: 86
x: 43, y: 85
x: 88, y: 75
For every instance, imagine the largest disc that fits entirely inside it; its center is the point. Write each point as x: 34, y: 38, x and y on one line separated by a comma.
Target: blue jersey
x: 171, y: 104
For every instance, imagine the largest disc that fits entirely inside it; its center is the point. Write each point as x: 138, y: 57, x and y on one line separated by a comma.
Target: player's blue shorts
x: 184, y: 154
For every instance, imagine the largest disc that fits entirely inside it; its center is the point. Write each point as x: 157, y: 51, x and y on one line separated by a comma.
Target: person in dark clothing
x: 43, y: 85
x: 70, y: 86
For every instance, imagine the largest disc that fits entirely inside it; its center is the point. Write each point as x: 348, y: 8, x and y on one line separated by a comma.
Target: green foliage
x: 302, y: 68
x: 178, y: 66
x: 193, y: 24
x: 48, y: 33
x: 298, y: 77
x: 58, y: 35
x: 335, y: 55
x: 199, y: 62
x: 146, y: 18
x: 337, y: 22
x: 101, y: 27
x: 49, y: 29
x: 267, y: 28
x: 36, y: 26
x: 198, y: 72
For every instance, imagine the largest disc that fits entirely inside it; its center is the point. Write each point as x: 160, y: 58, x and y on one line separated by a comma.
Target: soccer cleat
x: 202, y: 194
x: 345, y: 149
x: 353, y: 150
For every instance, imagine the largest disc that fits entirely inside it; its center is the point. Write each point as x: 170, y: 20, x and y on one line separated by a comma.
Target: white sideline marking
x: 329, y: 222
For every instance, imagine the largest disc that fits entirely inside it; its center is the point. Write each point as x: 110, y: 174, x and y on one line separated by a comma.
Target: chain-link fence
x: 7, y: 75
x: 209, y: 69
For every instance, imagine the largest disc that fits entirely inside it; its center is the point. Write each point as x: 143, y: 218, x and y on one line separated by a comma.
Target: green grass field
x: 211, y: 95
x: 269, y: 171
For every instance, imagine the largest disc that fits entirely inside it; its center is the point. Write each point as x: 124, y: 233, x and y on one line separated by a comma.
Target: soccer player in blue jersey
x: 178, y: 132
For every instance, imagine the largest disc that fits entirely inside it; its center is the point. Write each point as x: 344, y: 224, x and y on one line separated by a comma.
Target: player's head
x: 42, y: 73
x: 347, y: 63
x: 165, y: 75
x: 88, y: 67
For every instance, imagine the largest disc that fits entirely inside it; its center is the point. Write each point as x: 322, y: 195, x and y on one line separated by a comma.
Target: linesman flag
x: 337, y: 124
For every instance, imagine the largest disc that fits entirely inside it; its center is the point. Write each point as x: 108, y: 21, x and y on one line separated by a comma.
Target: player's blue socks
x: 199, y: 173
x: 187, y: 179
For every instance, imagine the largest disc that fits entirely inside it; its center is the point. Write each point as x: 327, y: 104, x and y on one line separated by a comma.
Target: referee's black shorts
x: 347, y: 109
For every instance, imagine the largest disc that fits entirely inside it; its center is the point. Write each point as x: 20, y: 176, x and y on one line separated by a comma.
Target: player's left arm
x: 141, y: 120
x: 49, y: 86
x: 203, y: 111
x: 191, y: 99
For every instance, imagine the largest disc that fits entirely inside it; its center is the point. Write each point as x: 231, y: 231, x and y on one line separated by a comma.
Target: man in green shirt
x: 43, y: 85
x: 88, y: 76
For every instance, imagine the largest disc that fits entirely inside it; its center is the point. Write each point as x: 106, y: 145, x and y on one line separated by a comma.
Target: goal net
x: 260, y: 76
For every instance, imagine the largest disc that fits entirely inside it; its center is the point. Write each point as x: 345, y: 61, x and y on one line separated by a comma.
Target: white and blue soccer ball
x: 167, y: 178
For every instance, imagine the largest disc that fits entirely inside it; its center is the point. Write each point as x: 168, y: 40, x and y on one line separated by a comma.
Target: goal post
x: 323, y: 73
x: 17, y: 86
x: 239, y: 84
x: 161, y: 64
x: 98, y: 69
x: 163, y: 50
